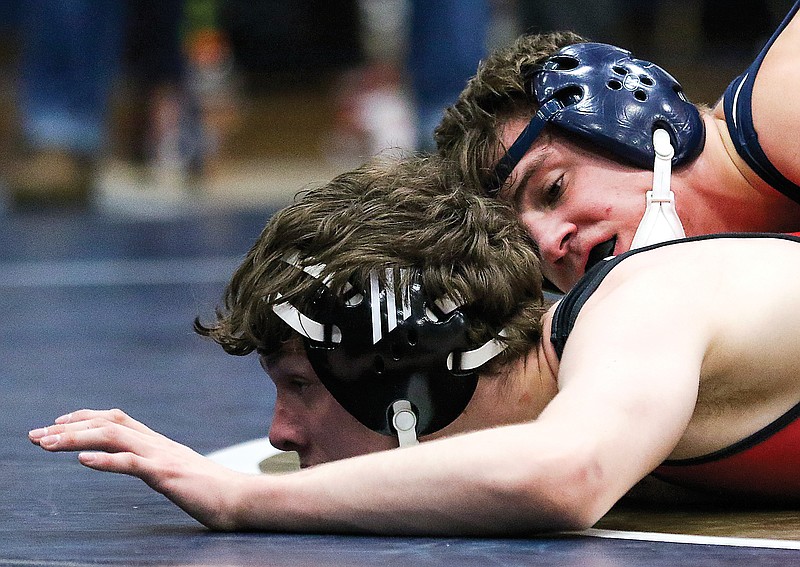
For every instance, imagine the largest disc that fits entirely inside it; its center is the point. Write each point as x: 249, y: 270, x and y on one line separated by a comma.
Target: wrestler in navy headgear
x: 605, y: 96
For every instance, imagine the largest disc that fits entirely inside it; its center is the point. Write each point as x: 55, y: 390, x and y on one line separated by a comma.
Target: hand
x: 112, y: 441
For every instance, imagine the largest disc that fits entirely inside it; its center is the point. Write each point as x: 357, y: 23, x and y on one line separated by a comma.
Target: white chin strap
x: 660, y: 222
x: 404, y: 421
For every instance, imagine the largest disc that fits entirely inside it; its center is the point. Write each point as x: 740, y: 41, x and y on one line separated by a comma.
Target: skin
x: 572, y: 199
x: 680, y: 390
x: 305, y: 410
x: 210, y: 492
x: 701, y: 353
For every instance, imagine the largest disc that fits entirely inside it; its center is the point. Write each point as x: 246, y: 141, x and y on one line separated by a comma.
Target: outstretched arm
x: 460, y: 485
x: 624, y: 403
x: 545, y: 475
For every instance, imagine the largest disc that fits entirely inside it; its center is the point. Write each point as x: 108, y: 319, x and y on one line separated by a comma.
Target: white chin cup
x: 660, y: 222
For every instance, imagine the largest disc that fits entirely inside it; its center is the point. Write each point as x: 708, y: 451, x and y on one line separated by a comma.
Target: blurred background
x: 145, y: 106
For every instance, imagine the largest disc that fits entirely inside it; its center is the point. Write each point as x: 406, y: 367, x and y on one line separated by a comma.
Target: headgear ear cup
x: 377, y: 364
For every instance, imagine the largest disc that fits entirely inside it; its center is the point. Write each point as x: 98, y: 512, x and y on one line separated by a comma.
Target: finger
x: 100, y: 436
x: 36, y: 435
x: 93, y: 420
x: 112, y: 415
x: 156, y: 473
x: 122, y: 463
x: 126, y: 463
x: 86, y: 419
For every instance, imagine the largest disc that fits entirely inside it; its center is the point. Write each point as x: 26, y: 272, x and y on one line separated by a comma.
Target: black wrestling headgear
x: 391, y: 343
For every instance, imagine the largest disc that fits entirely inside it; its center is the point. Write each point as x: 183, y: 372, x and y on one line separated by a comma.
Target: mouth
x: 600, y: 252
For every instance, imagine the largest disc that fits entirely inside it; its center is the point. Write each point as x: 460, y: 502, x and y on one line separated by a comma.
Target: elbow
x: 585, y: 494
x: 578, y: 516
x: 573, y: 496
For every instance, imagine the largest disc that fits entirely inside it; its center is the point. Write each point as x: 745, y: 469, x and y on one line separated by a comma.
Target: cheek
x: 616, y: 205
x: 345, y: 436
x: 611, y: 195
x: 630, y: 196
x: 362, y: 440
x: 371, y: 442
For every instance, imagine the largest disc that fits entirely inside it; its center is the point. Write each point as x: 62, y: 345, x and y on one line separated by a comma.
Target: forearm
x: 482, y: 483
x: 515, y: 479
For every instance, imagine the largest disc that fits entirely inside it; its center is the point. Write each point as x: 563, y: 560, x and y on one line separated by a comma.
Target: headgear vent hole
x: 569, y: 95
x: 394, y: 350
x: 562, y: 63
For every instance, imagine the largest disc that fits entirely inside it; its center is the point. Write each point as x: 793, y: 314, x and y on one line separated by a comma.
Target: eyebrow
x: 277, y: 355
x: 519, y: 183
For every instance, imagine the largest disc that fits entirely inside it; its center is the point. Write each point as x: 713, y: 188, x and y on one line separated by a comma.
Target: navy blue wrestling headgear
x: 611, y: 99
x: 391, y: 349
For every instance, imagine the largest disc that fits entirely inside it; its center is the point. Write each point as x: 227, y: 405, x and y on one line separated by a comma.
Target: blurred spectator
x: 303, y: 38
x: 70, y: 54
x: 418, y: 56
x: 303, y: 47
x: 447, y: 40
x: 167, y: 133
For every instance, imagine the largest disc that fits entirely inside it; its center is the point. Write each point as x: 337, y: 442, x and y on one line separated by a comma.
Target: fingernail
x: 49, y: 440
x: 41, y: 432
x: 64, y: 418
x: 87, y: 458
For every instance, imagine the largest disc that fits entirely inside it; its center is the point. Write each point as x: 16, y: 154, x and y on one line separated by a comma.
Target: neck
x: 717, y: 192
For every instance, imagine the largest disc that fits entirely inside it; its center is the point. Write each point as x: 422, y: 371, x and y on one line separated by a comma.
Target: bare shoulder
x: 743, y: 289
x: 666, y: 325
x: 703, y: 261
x: 725, y: 283
x: 776, y: 114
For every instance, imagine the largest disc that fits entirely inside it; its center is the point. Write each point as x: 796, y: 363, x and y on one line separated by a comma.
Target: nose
x: 285, y: 433
x: 552, y: 234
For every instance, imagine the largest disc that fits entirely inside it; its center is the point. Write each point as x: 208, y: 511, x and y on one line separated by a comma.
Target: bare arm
x: 777, y: 116
x: 626, y: 396
x: 461, y: 485
x: 563, y: 471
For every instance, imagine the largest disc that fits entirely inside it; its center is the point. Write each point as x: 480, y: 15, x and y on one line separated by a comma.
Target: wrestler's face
x: 578, y: 206
x: 308, y: 420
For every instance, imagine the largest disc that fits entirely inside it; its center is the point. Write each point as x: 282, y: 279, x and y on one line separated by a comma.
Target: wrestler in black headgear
x: 392, y: 343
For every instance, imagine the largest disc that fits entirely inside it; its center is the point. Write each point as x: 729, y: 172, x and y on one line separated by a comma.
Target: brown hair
x: 469, y: 133
x: 408, y: 213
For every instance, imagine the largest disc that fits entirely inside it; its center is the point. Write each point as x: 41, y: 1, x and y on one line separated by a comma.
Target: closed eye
x: 300, y: 386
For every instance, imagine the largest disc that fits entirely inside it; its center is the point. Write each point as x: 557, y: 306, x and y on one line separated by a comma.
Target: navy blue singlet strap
x: 739, y: 118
